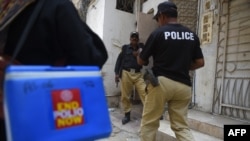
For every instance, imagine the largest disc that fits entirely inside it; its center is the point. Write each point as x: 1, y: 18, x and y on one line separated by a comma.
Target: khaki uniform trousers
x: 178, y: 97
x: 128, y: 81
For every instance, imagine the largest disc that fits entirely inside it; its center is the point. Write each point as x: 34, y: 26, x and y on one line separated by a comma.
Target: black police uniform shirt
x: 57, y: 34
x: 126, y: 59
x: 173, y: 48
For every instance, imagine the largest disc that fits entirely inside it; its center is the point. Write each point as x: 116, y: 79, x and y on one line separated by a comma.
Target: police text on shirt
x: 179, y: 35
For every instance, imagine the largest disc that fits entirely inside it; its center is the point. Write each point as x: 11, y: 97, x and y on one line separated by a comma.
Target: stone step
x: 204, y: 126
x: 166, y: 134
x: 212, y: 125
x: 129, y: 132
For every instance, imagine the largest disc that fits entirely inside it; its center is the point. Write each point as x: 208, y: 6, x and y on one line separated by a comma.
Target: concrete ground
x: 204, y: 126
x: 129, y: 131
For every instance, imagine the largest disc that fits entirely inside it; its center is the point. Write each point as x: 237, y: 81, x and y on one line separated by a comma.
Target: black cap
x: 166, y: 6
x: 134, y: 34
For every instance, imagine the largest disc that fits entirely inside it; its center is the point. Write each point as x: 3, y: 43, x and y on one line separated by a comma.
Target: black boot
x: 126, y: 119
x: 161, y: 118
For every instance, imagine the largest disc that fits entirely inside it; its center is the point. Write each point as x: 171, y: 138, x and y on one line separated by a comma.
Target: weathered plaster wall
x: 95, y: 17
x: 205, y: 77
x: 151, y: 4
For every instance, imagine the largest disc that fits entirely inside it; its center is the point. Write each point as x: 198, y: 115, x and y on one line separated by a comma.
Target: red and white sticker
x: 67, y: 108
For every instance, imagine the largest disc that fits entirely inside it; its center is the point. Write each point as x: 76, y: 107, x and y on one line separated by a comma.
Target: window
x: 125, y: 5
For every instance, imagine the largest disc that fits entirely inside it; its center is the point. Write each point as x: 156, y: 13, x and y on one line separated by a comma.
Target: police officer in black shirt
x: 175, y: 50
x: 129, y: 72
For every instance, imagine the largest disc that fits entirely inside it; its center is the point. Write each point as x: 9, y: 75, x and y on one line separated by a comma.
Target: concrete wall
x: 76, y: 3
x: 114, y: 27
x: 151, y: 4
x: 205, y: 77
x: 95, y: 17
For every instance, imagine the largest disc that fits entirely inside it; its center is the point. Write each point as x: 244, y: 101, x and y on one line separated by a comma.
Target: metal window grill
x: 125, y: 5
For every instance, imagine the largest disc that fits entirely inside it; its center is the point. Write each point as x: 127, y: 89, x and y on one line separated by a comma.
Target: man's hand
x: 135, y: 53
x: 117, y: 78
x: 198, y: 63
x: 141, y: 62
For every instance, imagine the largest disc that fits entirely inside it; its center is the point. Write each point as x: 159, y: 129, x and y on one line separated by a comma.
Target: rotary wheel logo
x: 66, y: 95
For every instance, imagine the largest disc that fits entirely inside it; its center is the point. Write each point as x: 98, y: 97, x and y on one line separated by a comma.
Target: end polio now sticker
x: 67, y: 108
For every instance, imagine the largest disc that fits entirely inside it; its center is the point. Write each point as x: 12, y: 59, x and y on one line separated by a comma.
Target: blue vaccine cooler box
x: 44, y: 103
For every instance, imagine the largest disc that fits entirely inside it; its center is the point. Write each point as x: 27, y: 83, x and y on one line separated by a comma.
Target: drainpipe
x: 137, y: 11
x: 194, y: 74
x: 224, y: 61
x: 219, y: 10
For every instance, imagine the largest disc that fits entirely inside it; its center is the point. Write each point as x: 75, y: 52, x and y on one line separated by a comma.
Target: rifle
x: 117, y: 83
x: 116, y: 80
